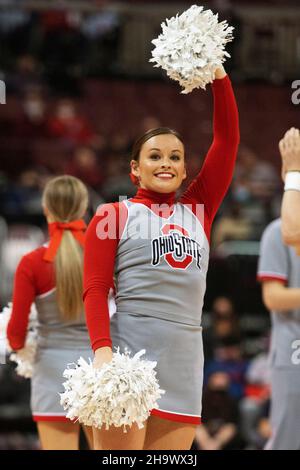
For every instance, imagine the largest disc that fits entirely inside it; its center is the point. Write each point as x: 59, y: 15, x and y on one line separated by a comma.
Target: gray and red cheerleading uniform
x: 59, y: 343
x: 279, y: 262
x: 157, y: 248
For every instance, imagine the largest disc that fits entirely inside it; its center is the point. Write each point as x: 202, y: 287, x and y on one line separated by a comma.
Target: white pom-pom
x: 4, y: 319
x: 24, y: 357
x: 191, y: 47
x: 120, y: 393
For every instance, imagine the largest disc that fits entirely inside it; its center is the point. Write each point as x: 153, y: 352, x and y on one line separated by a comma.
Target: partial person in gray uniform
x: 279, y: 272
x: 289, y: 147
x: 51, y: 276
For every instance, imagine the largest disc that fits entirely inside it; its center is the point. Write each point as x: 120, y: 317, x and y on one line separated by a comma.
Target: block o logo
x: 187, y: 259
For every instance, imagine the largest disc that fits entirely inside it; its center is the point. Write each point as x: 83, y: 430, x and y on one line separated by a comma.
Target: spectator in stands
x: 25, y: 76
x: 69, y: 125
x: 229, y: 359
x: 120, y: 144
x: 127, y: 141
x: 102, y: 29
x: 254, y: 407
x: 149, y: 122
x: 84, y: 165
x: 101, y: 24
x: 219, y: 429
x: 21, y: 199
x: 31, y: 124
x: 224, y: 324
x: 233, y: 225
x: 117, y: 183
x: 63, y: 49
x: 254, y: 187
x: 15, y: 26
x: 259, y: 177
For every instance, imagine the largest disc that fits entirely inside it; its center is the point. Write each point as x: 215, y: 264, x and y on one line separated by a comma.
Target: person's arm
x: 278, y: 297
x: 99, y: 260
x: 204, y: 439
x: 290, y: 213
x: 289, y: 148
x: 23, y: 296
x: 214, y: 178
x: 225, y: 434
x: 274, y: 271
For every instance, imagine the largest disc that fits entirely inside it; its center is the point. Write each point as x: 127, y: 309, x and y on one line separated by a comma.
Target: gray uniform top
x: 161, y: 264
x: 280, y: 262
x: 53, y: 332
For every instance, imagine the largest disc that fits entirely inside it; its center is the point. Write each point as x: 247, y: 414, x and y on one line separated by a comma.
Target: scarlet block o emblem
x: 173, y: 262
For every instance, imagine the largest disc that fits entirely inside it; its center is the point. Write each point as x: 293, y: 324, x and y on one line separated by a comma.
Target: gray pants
x: 285, y: 409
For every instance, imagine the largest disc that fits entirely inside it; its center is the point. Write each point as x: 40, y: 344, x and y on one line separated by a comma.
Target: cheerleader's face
x: 161, y: 165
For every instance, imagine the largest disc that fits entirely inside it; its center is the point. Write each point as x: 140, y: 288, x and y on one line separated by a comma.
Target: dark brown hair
x: 138, y: 144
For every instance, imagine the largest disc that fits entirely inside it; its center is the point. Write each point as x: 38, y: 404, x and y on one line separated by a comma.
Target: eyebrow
x: 174, y: 150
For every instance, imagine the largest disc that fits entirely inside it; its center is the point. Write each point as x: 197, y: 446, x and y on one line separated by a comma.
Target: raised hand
x: 289, y: 147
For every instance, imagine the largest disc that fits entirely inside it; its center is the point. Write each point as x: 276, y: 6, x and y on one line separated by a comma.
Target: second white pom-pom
x: 120, y: 393
x: 25, y: 357
x: 191, y: 47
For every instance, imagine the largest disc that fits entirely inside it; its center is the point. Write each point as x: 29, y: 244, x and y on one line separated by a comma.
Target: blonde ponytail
x: 66, y: 199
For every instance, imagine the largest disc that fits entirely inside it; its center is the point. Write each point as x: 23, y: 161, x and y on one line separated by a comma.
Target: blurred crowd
x: 252, y: 202
x: 42, y: 140
x: 49, y: 137
x: 56, y: 141
x: 47, y: 130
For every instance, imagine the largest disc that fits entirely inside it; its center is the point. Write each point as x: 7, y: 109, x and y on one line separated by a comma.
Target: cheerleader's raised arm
x: 213, y: 180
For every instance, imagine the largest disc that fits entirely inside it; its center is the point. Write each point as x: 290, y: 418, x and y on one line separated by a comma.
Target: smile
x: 164, y: 175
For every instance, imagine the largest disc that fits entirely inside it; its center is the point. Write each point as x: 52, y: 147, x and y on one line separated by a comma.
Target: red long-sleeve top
x: 208, y: 188
x: 34, y: 276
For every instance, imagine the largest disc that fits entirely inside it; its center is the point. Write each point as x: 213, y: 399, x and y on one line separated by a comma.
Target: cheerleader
x: 51, y: 276
x: 158, y: 249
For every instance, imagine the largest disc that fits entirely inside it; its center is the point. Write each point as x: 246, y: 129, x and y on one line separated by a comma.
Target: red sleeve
x: 23, y: 296
x: 272, y: 277
x: 211, y: 184
x: 100, y: 250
